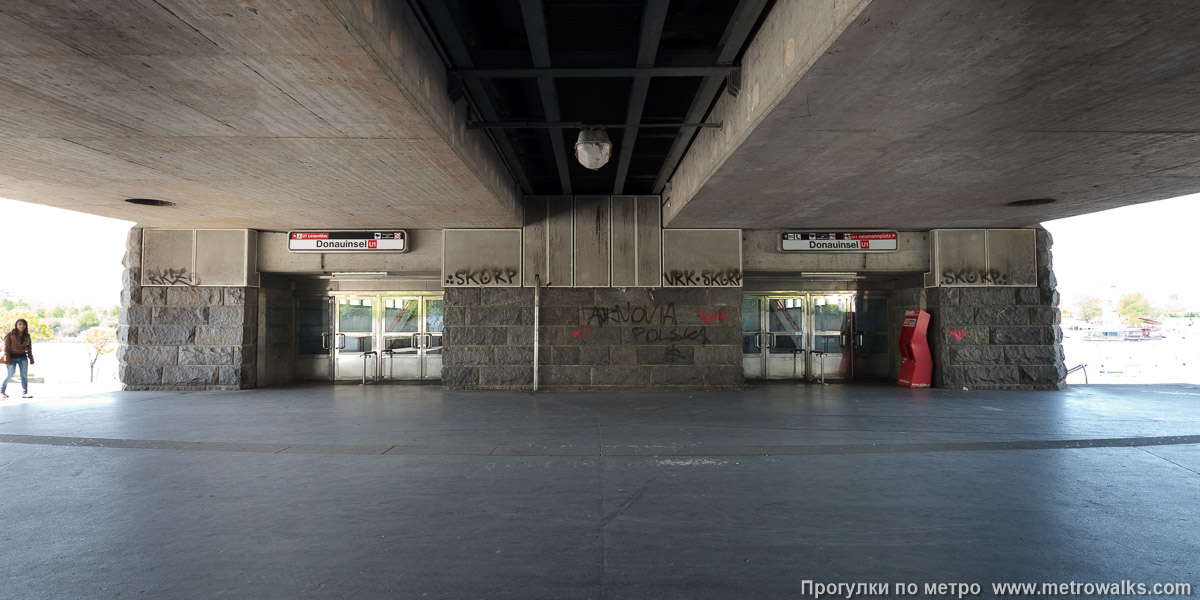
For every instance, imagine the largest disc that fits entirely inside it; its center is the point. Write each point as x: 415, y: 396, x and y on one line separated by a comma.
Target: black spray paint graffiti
x: 657, y: 324
x: 645, y: 335
x: 172, y: 277
x: 674, y: 355
x: 483, y: 276
x: 635, y: 315
x: 705, y: 278
x: 974, y: 277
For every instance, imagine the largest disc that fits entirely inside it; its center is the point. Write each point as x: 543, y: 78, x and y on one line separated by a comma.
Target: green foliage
x: 58, y: 312
x: 1088, y: 308
x: 1175, y: 306
x: 88, y: 320
x: 1134, y: 306
x: 8, y: 304
x: 38, y: 328
x: 100, y: 341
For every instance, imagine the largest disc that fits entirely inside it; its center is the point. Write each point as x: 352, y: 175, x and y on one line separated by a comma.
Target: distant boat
x: 1148, y: 330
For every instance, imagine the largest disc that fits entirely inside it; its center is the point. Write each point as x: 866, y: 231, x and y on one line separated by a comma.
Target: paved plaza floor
x: 410, y: 491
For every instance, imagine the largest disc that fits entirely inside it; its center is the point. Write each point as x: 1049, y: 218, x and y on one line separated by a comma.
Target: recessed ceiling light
x: 149, y: 202
x: 1032, y: 202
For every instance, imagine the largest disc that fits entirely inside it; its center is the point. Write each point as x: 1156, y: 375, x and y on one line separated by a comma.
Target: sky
x: 70, y: 258
x: 61, y: 256
x: 1148, y: 248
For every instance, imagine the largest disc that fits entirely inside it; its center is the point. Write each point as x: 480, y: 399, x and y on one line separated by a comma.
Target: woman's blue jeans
x: 13, y: 363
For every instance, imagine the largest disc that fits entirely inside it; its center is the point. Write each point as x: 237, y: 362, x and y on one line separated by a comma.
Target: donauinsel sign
x: 347, y: 241
x: 866, y: 241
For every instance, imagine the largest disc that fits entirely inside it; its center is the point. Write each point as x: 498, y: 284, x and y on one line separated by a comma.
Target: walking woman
x: 17, y: 351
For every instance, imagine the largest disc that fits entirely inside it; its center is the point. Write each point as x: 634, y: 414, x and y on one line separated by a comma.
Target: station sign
x: 866, y: 241
x: 348, y: 241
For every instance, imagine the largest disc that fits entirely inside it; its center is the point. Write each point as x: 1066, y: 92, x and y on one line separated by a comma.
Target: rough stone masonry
x: 184, y: 337
x: 601, y: 338
x: 999, y: 337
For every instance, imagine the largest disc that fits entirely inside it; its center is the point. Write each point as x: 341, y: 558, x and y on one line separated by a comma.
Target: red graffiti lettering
x: 579, y: 333
x: 708, y: 318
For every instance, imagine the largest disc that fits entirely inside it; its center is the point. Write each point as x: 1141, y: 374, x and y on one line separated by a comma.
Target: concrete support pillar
x: 184, y: 337
x: 999, y: 337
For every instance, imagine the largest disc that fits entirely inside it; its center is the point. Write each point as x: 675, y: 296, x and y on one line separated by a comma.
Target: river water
x: 1174, y: 359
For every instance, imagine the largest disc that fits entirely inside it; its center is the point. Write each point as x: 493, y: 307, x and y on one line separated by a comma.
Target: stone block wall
x: 183, y: 337
x: 594, y: 338
x: 998, y: 337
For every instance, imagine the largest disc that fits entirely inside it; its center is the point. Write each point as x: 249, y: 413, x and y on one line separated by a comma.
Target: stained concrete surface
x: 412, y: 491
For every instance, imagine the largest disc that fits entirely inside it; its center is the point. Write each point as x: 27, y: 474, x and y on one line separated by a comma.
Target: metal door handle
x: 770, y: 340
x: 325, y: 341
x: 341, y: 343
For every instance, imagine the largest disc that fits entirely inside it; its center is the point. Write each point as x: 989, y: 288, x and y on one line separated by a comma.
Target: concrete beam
x: 794, y: 35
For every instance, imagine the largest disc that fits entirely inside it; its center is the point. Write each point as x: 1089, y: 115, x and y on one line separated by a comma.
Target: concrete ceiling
x: 264, y: 115
x: 938, y: 113
x: 330, y: 113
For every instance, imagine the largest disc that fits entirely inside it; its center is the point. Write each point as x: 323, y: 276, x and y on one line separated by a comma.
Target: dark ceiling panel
x: 504, y: 40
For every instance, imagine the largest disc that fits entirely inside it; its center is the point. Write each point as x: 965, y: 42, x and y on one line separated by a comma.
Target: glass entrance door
x: 412, y: 338
x: 808, y: 335
x: 773, y: 339
x: 872, y: 358
x: 387, y: 336
x: 753, y: 337
x: 785, y: 338
x: 355, y: 351
x: 832, y: 355
x: 314, y: 338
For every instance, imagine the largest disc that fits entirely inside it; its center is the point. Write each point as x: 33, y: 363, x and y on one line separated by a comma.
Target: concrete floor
x: 415, y: 492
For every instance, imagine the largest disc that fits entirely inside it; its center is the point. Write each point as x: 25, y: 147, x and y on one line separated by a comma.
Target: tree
x: 1089, y: 307
x: 58, y: 312
x: 100, y: 341
x: 88, y: 320
x: 38, y: 328
x: 1175, y: 306
x: 1134, y: 306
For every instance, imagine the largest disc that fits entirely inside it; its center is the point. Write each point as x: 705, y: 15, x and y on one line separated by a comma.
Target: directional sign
x: 347, y: 241
x: 867, y: 241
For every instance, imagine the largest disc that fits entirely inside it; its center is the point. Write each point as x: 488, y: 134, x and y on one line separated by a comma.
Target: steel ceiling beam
x: 446, y: 28
x: 539, y: 47
x: 653, y: 19
x: 745, y: 15
x: 587, y: 72
x: 579, y: 125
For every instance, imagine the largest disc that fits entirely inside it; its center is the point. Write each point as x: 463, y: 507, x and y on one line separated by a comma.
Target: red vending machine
x: 916, y: 366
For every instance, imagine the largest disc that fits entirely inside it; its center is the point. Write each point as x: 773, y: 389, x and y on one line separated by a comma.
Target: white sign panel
x: 347, y: 241
x: 867, y: 241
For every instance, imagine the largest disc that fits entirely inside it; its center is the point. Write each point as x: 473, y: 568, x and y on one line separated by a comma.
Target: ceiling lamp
x: 593, y: 149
